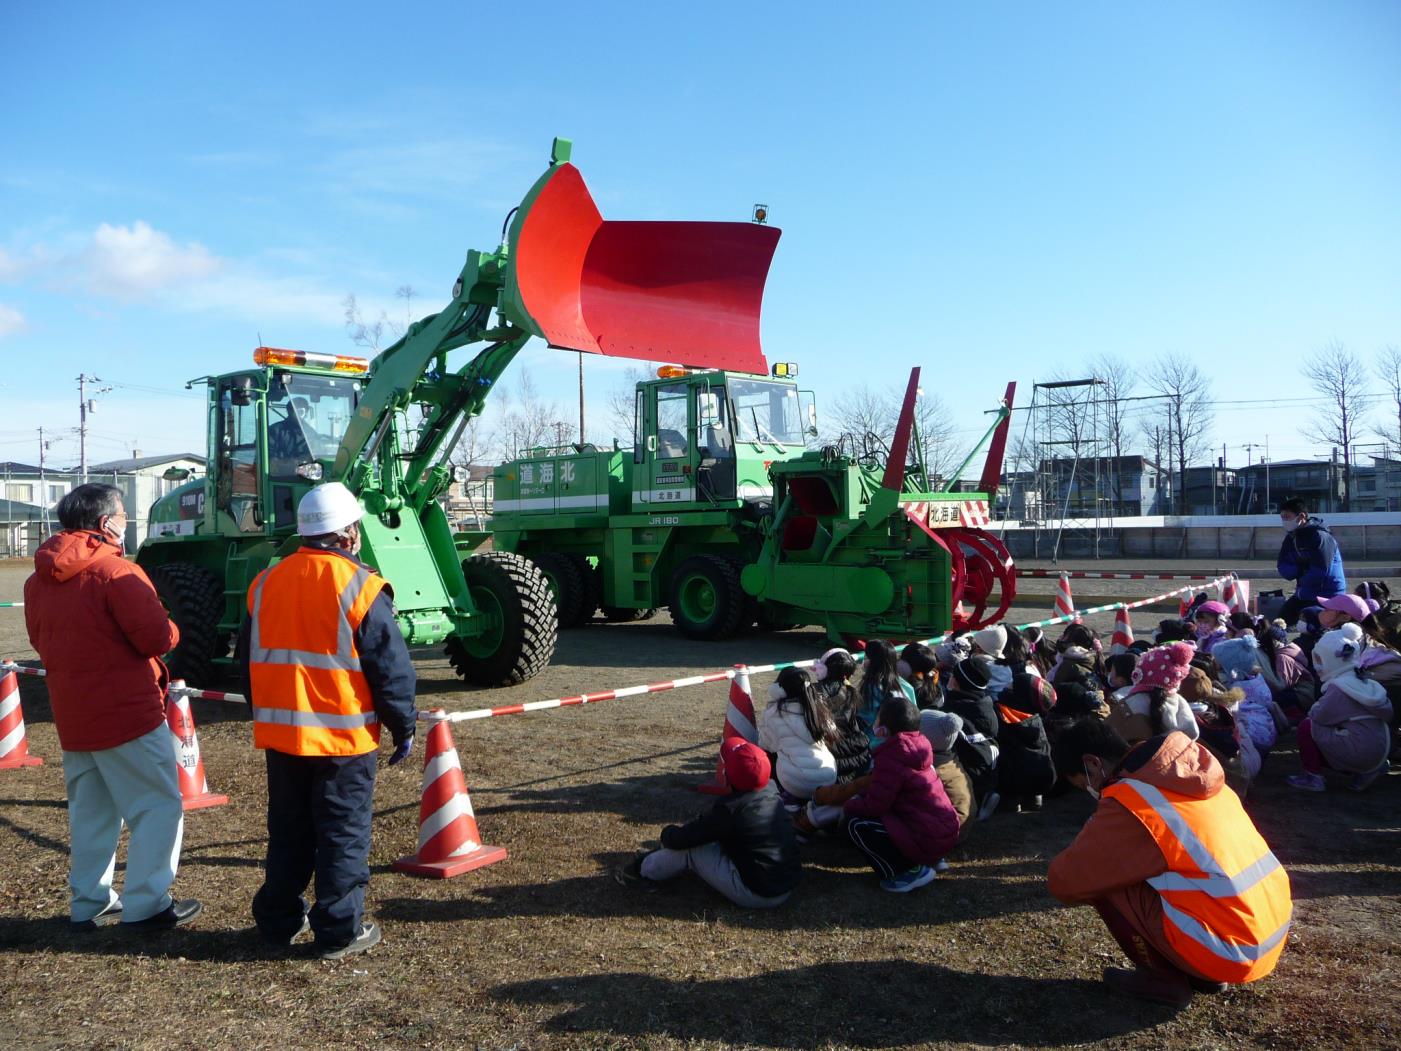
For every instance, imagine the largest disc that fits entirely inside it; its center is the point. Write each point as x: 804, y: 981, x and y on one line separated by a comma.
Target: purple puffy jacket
x: 906, y: 794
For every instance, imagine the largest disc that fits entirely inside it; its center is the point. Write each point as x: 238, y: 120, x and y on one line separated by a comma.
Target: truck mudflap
x: 682, y: 292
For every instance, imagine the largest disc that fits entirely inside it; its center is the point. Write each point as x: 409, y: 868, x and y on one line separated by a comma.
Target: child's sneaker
x: 989, y: 805
x: 908, y: 881
x: 1308, y: 782
x: 941, y: 866
x: 1362, y: 782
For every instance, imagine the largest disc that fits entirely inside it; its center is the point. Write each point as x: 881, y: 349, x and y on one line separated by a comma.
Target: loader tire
x: 194, y: 599
x: 562, y: 575
x: 592, y: 594
x: 521, y: 641
x: 706, y: 599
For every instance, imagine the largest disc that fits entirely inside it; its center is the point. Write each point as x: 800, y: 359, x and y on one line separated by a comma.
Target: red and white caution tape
x: 11, y: 605
x: 583, y: 698
x: 1088, y: 574
x: 180, y: 691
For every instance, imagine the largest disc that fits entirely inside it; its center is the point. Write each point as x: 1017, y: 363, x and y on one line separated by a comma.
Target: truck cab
x: 705, y: 439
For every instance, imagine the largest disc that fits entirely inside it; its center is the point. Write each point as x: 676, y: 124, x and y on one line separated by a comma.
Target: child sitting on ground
x: 903, y: 822
x: 919, y: 666
x: 977, y: 744
x: 1210, y: 622
x: 943, y: 729
x: 744, y: 846
x: 1240, y: 661
x: 988, y: 646
x: 1153, y: 702
x: 1348, y: 728
x: 880, y: 681
x: 1078, y: 678
x: 1118, y: 674
x: 852, y: 751
x: 798, y: 728
x: 1024, y: 767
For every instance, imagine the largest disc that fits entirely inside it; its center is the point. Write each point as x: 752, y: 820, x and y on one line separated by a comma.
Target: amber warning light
x: 310, y: 360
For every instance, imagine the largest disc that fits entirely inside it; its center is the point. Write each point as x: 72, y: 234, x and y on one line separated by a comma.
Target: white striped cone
x: 448, y: 841
x: 189, y: 766
x: 1065, y: 605
x: 1235, y: 594
x: 739, y: 722
x: 1123, y: 632
x: 14, y: 746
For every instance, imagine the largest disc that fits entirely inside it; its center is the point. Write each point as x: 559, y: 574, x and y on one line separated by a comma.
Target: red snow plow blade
x: 688, y: 293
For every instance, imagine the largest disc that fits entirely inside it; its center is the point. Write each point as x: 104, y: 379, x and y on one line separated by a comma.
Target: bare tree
x: 371, y: 335
x: 406, y: 293
x: 1338, y: 375
x: 1184, y: 390
x: 861, y: 411
x: 1119, y: 382
x: 622, y: 400
x: 1388, y: 368
x: 527, y: 421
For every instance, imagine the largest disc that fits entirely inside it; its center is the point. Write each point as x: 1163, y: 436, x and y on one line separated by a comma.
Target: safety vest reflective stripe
x: 344, y: 659
x: 317, y: 720
x: 1216, y: 882
x: 1234, y: 952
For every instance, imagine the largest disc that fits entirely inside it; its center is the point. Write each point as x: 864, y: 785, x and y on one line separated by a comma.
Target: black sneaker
x: 289, y: 940
x: 106, y: 918
x: 630, y: 875
x: 1031, y: 804
x: 176, y: 914
x: 367, y: 939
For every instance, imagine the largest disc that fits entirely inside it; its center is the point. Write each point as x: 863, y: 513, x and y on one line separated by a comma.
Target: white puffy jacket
x: 804, y: 765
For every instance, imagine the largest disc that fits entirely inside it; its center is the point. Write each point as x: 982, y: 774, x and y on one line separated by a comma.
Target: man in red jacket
x: 100, y: 631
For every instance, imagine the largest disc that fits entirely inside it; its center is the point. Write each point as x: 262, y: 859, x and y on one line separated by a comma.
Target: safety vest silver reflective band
x: 315, y: 720
x: 1215, y: 882
x: 1230, y: 951
x: 344, y: 659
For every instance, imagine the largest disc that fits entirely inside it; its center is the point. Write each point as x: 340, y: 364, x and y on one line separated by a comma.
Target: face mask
x: 1094, y: 792
x: 881, y: 731
x: 117, y: 538
x: 1289, y: 524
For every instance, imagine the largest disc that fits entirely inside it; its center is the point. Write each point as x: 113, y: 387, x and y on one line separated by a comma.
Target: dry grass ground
x: 544, y: 950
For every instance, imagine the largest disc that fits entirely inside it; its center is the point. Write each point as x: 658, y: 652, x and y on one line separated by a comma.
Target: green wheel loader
x: 687, y: 292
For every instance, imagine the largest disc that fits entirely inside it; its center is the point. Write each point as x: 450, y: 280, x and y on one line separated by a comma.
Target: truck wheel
x: 562, y: 575
x: 592, y: 594
x: 194, y: 598
x: 520, y: 639
x: 706, y: 599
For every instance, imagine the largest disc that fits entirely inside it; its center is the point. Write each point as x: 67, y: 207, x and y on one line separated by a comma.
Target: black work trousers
x: 319, y: 810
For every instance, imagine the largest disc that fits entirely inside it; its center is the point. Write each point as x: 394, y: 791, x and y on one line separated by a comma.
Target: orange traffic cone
x: 739, y: 722
x: 1123, y: 632
x: 14, y: 746
x: 1183, y: 605
x: 1065, y: 605
x: 448, y: 841
x: 1236, y: 594
x: 194, y: 786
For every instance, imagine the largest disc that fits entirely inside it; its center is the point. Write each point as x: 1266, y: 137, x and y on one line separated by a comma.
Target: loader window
x: 307, y: 418
x: 766, y: 412
x: 671, y: 421
x: 238, y: 459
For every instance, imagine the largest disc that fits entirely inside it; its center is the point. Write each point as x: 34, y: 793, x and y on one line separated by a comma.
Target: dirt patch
x: 544, y: 950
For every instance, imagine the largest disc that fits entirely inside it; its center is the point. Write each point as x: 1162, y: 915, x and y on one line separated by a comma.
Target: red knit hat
x: 746, y: 765
x: 1164, y: 666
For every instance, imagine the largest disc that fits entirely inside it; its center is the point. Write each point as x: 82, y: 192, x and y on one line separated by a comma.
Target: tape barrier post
x: 14, y: 745
x: 194, y: 786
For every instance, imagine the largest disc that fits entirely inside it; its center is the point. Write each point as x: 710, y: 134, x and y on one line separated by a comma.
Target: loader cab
x: 705, y: 439
x: 276, y: 431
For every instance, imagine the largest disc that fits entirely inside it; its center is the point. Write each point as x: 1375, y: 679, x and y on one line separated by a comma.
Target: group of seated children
x: 905, y: 757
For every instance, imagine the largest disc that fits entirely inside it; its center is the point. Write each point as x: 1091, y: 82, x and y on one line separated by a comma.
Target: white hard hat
x: 328, y: 508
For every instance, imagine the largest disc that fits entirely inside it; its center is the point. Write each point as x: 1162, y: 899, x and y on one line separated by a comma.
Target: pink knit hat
x: 1164, y: 666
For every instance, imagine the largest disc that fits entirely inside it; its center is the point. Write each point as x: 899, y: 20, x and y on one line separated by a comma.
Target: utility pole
x: 581, y: 397
x: 43, y: 489
x: 85, y: 406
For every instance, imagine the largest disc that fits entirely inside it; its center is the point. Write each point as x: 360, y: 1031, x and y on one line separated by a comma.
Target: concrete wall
x: 1362, y: 537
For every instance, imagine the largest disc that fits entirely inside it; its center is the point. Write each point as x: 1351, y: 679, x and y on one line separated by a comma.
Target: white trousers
x: 710, y: 862
x: 135, y: 783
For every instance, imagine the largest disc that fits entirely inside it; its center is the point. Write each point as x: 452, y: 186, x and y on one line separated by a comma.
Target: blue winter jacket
x: 1310, y: 556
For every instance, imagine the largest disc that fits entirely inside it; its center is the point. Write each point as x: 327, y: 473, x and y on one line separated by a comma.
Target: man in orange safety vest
x: 327, y: 667
x: 1172, y: 864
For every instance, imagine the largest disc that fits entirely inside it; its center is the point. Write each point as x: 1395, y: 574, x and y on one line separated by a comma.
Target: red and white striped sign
x: 973, y: 514
x: 949, y: 514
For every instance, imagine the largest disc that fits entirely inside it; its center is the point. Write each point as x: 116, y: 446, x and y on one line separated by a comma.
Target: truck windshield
x: 307, y: 417
x: 766, y: 412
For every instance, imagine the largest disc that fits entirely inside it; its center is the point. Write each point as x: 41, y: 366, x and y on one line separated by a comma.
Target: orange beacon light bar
x: 310, y: 360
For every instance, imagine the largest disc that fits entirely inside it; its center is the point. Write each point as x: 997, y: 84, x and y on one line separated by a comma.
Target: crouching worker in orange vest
x: 1172, y: 864
x: 327, y: 667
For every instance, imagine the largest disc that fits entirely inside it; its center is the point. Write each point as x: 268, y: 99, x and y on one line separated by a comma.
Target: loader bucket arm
x: 682, y: 292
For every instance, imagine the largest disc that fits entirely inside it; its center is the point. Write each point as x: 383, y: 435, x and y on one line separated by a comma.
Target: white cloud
x: 11, y: 321
x: 133, y: 262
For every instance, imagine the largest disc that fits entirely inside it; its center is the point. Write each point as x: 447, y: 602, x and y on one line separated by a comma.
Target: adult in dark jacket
x: 744, y: 846
x: 100, y: 630
x: 1025, y: 770
x: 1310, y: 557
x: 322, y: 628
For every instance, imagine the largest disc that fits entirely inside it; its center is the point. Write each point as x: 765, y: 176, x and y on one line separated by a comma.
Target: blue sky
x: 991, y: 191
